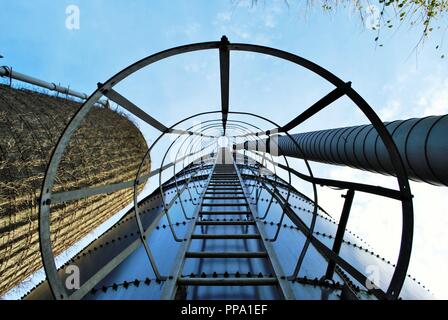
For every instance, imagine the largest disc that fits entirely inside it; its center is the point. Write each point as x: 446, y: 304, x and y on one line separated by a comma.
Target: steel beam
x: 318, y: 106
x: 131, y: 107
x: 381, y: 191
x: 341, y: 230
x: 224, y: 67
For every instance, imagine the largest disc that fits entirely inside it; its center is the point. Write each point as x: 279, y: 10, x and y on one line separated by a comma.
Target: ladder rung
x: 226, y: 177
x: 227, y: 281
x: 233, y: 181
x: 223, y: 186
x: 224, y: 223
x: 230, y: 176
x: 225, y: 212
x: 224, y: 198
x: 228, y: 254
x: 225, y: 205
x: 225, y: 236
x: 235, y: 192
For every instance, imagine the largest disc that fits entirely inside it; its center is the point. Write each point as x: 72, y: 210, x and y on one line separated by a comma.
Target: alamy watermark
x: 73, y: 280
x: 73, y: 17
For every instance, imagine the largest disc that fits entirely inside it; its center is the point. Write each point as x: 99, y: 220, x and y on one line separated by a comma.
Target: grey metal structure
x: 226, y: 226
x: 238, y: 246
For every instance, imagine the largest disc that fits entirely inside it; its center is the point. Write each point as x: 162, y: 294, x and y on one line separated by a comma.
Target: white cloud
x: 195, y: 67
x: 223, y: 17
x: 391, y: 111
x: 270, y: 21
x: 191, y: 29
x: 434, y: 100
x: 251, y: 21
x: 406, y: 99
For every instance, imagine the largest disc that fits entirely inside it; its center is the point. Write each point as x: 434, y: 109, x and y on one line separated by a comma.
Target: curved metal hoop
x: 56, y: 285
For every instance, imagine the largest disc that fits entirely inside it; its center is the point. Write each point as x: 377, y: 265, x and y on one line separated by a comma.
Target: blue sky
x: 398, y: 83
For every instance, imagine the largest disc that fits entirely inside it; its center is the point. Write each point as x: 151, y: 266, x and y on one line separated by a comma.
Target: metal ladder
x: 224, y: 184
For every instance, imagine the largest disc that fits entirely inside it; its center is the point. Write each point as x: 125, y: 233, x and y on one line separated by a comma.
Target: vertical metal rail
x: 283, y: 282
x: 341, y: 230
x: 170, y: 287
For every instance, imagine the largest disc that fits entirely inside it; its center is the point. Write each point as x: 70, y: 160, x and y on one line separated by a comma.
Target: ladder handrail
x: 283, y: 282
x: 170, y: 286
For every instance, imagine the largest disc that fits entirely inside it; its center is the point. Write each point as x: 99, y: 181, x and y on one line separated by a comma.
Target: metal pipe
x: 421, y: 142
x: 10, y: 73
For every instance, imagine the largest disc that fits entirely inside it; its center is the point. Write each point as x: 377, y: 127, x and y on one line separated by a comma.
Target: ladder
x: 224, y: 192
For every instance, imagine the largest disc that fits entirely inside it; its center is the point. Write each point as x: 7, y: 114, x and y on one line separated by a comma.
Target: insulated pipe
x: 8, y: 72
x: 421, y: 142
